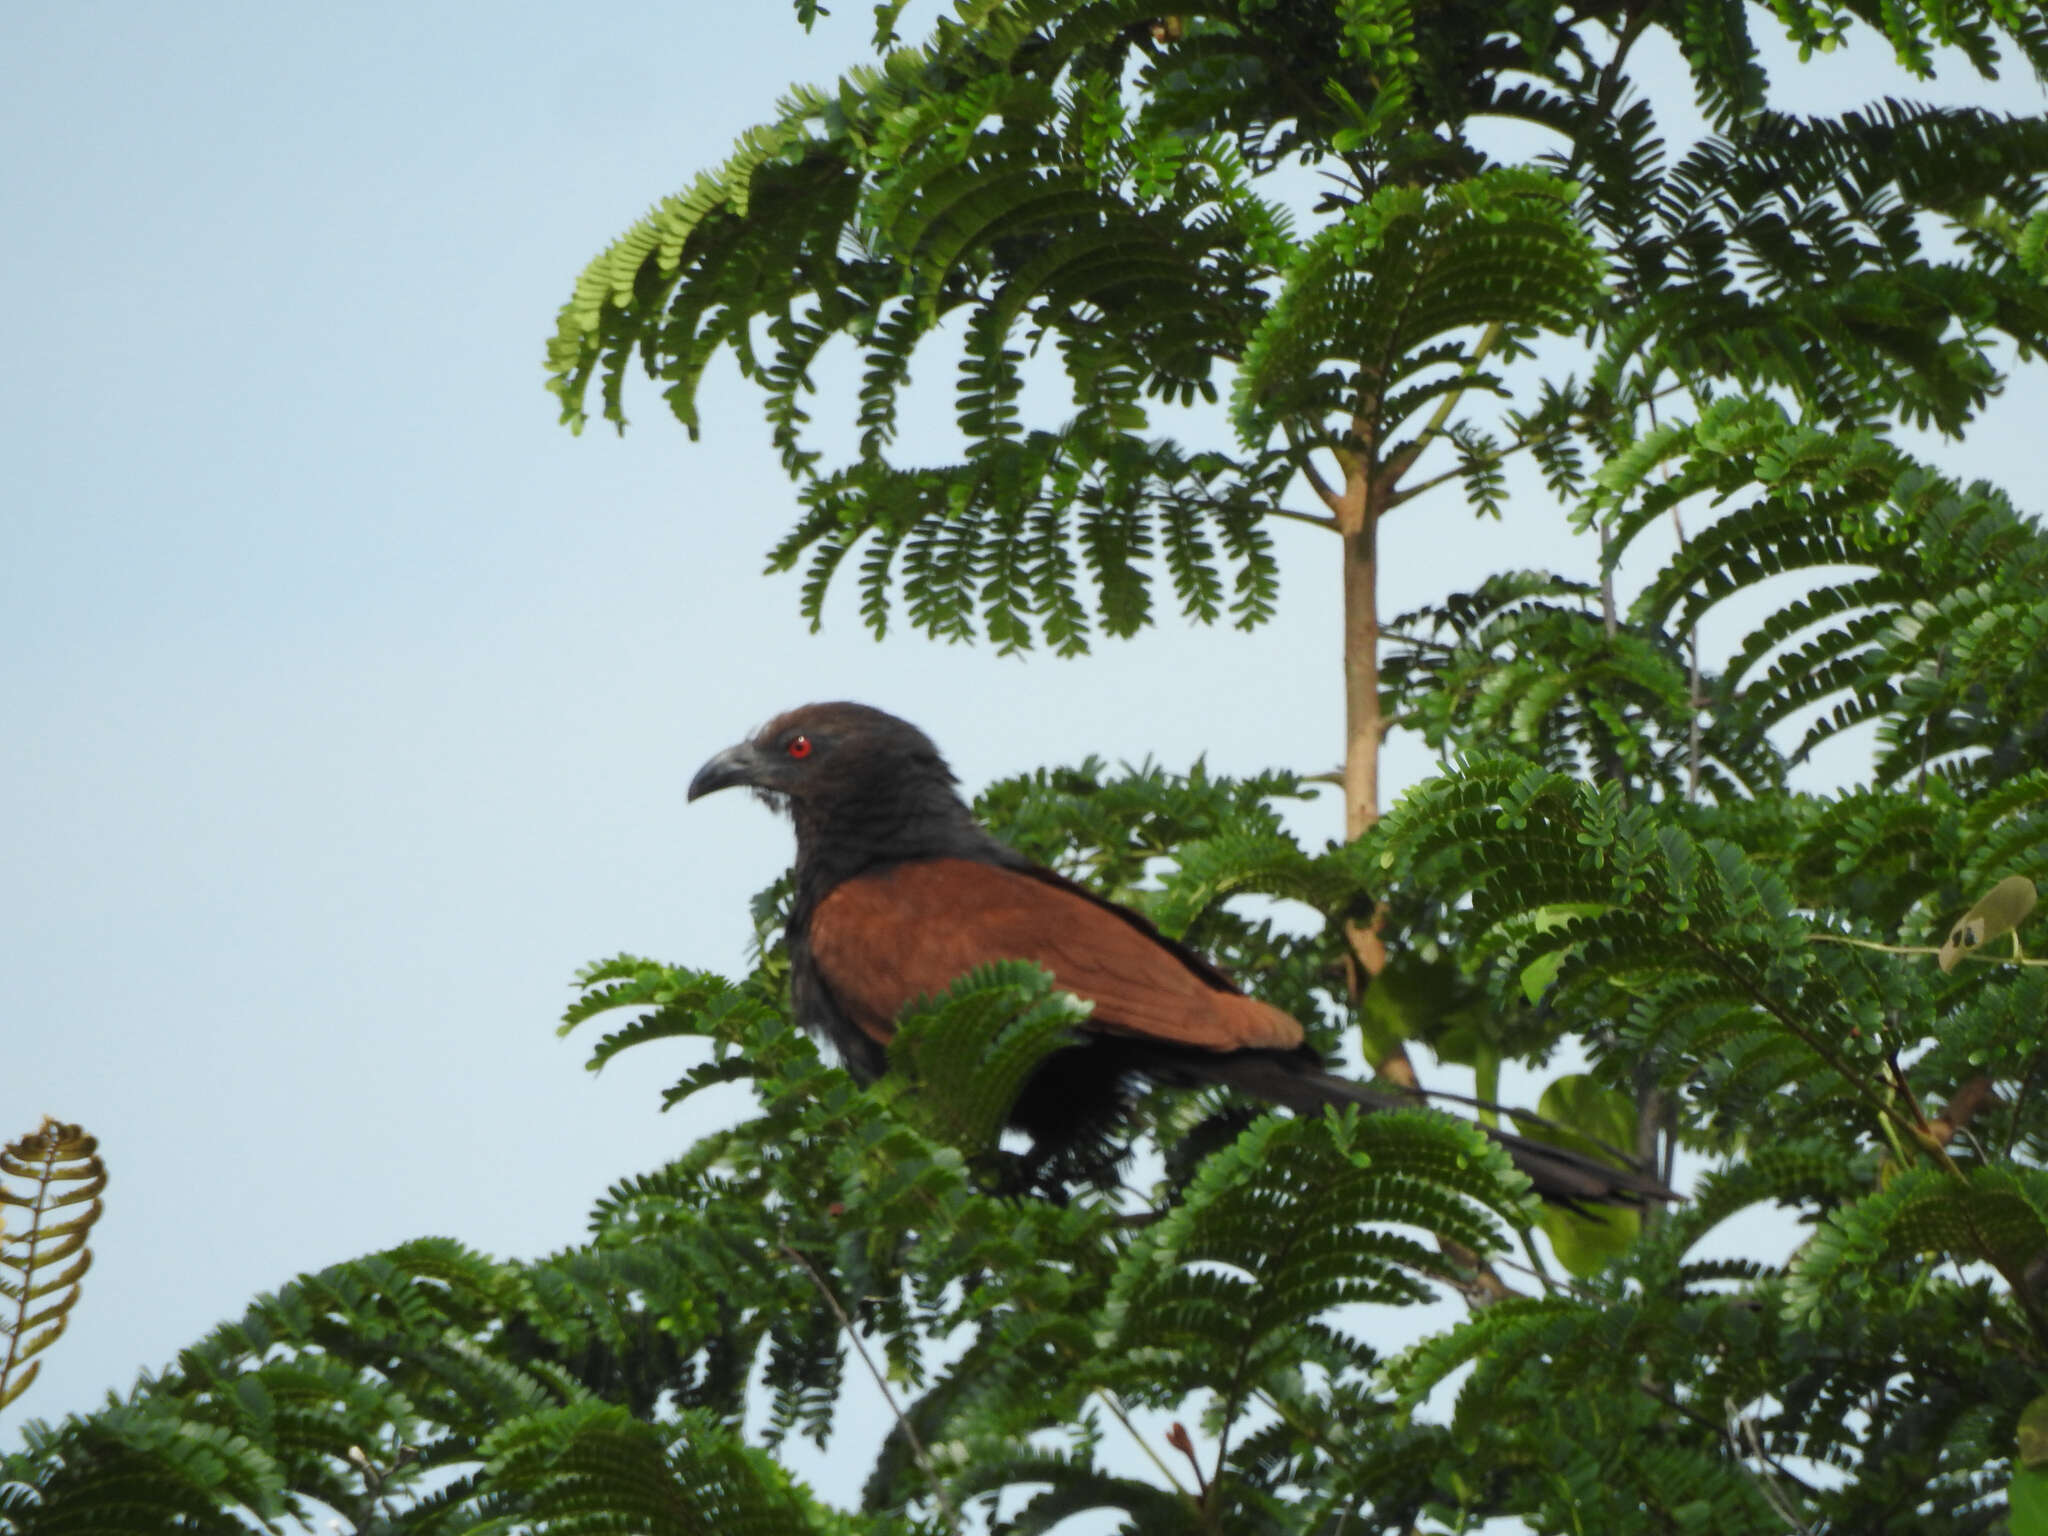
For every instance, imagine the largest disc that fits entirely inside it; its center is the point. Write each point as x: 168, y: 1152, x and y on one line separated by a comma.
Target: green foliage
x: 1362, y: 326
x: 1278, y: 1229
x: 569, y: 1467
x: 1526, y: 660
x: 1996, y: 1215
x: 1925, y: 616
x: 959, y: 1062
x: 1084, y: 218
x: 1073, y: 204
x: 1233, y: 1282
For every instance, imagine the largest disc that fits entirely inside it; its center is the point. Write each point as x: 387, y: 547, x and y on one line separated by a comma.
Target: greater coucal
x: 900, y: 892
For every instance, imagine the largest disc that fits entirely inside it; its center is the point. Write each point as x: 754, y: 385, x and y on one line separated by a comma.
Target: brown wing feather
x: 1210, y: 972
x: 882, y: 940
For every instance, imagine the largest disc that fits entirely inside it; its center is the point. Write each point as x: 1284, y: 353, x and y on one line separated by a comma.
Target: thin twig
x: 1520, y: 445
x: 1325, y: 492
x: 1692, y: 634
x: 1144, y: 1445
x: 1535, y: 1266
x: 1767, y: 1486
x: 1177, y: 1437
x: 1905, y: 1091
x: 1404, y: 459
x: 1314, y: 520
x: 910, y: 1435
x: 2019, y: 1103
x: 1306, y: 1429
x: 1318, y: 484
x: 1798, y: 1030
x: 1610, y: 618
x: 1919, y: 949
x: 1418, y: 642
x: 1888, y: 1114
x: 1550, y: 1281
x: 1692, y: 647
x: 1488, y: 340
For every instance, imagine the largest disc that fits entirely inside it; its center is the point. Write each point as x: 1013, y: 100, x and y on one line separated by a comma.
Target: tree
x: 1288, y: 205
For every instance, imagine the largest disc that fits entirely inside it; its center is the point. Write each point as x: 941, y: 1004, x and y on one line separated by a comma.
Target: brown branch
x: 1358, y: 520
x: 1314, y: 521
x: 1323, y: 489
x: 1325, y: 492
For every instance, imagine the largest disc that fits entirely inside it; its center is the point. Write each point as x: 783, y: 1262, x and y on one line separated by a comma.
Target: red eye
x: 799, y: 746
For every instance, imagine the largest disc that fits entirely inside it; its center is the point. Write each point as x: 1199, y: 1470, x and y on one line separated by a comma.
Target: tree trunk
x: 1359, y: 528
x: 1362, y: 729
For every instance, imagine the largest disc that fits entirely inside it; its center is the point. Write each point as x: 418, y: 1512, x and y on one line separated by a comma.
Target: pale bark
x: 1362, y: 725
x: 1357, y: 514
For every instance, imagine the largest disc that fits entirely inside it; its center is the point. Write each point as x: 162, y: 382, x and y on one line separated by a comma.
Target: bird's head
x: 829, y: 765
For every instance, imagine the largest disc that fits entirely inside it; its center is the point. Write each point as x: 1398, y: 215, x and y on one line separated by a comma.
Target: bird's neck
x: 834, y: 844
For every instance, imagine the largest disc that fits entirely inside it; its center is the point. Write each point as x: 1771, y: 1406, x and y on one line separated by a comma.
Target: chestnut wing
x: 884, y: 939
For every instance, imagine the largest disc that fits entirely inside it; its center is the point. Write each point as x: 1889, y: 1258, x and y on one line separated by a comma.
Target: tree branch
x: 1519, y: 445
x: 1920, y: 949
x: 1390, y: 476
x: 1325, y: 492
x: 910, y: 1435
x: 1313, y: 520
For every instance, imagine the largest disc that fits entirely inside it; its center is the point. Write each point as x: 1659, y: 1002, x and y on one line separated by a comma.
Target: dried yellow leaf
x: 2003, y: 908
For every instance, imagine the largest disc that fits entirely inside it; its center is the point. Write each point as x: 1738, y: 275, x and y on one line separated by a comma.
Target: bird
x: 899, y: 891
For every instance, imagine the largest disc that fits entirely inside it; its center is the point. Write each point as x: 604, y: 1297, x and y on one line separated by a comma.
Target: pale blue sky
x: 351, y: 700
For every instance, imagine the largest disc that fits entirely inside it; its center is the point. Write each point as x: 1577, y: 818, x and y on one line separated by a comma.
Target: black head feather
x: 862, y: 787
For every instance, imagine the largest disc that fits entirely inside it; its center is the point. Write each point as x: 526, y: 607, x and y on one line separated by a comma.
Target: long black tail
x: 1566, y: 1177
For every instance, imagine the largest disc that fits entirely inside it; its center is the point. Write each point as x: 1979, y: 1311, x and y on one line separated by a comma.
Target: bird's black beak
x: 735, y: 765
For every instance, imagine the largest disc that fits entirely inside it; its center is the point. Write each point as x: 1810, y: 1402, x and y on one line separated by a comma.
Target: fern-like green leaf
x: 51, y: 1181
